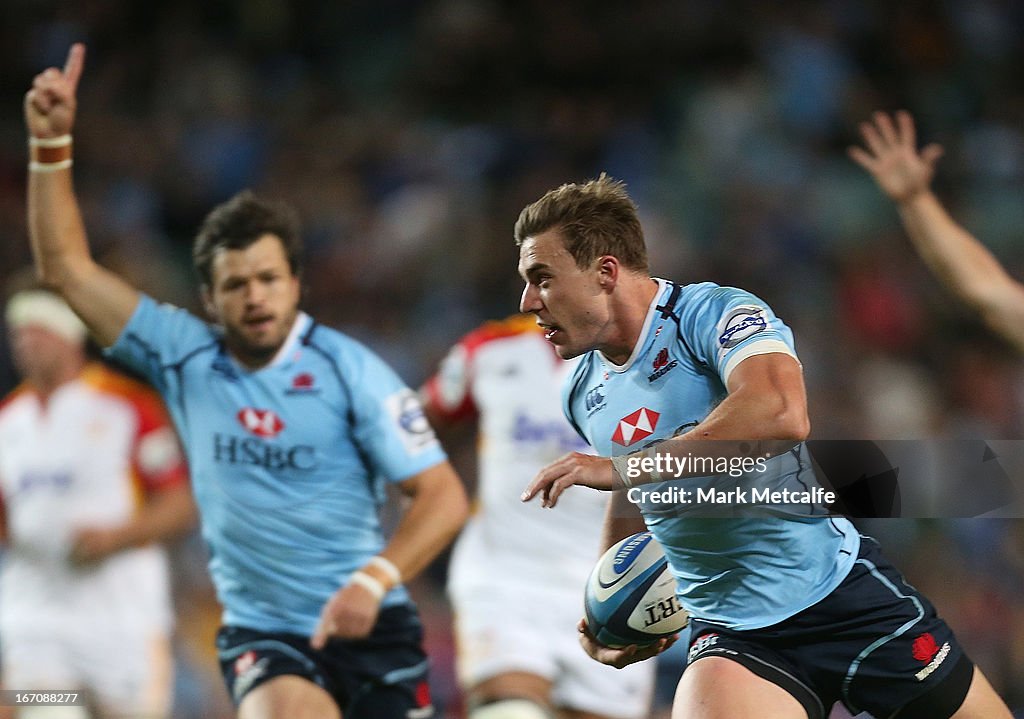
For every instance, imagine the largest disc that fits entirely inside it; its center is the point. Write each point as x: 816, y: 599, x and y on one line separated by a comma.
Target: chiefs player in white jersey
x: 516, y: 579
x: 90, y: 476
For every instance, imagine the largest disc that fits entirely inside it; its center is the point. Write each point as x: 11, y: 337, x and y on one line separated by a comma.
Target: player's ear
x: 608, y: 271
x: 207, y: 297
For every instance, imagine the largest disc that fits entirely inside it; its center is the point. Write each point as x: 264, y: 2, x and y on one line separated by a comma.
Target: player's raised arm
x: 59, y: 243
x: 960, y: 261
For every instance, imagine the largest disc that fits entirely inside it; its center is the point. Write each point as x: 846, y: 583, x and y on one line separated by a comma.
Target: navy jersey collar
x: 641, y: 341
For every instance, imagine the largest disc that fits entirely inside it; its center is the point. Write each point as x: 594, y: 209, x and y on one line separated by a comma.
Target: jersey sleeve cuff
x: 763, y: 347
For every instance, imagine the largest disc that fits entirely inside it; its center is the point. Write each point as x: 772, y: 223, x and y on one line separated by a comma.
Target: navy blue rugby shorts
x: 380, y: 677
x: 875, y: 644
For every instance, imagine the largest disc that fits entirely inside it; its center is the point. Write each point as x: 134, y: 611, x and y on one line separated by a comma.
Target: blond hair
x: 595, y: 218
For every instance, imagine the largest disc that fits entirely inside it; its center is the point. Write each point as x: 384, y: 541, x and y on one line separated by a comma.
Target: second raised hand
x: 891, y: 157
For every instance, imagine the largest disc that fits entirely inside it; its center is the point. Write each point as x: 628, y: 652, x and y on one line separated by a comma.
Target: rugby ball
x: 631, y: 595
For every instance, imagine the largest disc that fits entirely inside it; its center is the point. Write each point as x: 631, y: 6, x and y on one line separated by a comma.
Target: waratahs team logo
x: 662, y: 359
x: 248, y: 668
x: 925, y: 648
x: 303, y: 383
x: 927, y: 651
x: 662, y: 363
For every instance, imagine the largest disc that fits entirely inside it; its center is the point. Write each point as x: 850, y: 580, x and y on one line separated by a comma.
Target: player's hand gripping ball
x: 631, y: 595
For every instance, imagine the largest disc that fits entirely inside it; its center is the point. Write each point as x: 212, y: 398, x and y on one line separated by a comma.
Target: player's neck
x: 46, y: 382
x: 253, y: 361
x: 630, y: 305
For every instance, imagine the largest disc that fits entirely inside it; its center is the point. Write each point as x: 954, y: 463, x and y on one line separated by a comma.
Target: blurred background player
x: 957, y: 258
x: 91, y: 477
x: 515, y: 579
x: 291, y: 429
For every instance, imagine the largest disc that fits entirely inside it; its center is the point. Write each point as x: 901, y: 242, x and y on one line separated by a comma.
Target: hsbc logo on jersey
x: 635, y: 426
x: 261, y: 422
x: 265, y: 424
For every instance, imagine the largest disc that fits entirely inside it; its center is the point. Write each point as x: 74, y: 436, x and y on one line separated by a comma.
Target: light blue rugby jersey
x: 744, y: 569
x: 288, y: 462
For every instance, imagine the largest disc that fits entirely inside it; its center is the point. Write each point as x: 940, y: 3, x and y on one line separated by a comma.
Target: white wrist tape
x: 371, y: 584
x: 652, y: 452
x: 62, y: 141
x: 627, y: 463
x: 621, y: 466
x: 49, y: 166
x: 388, y: 567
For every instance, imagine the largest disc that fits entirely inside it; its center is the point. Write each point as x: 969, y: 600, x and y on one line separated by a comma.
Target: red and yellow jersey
x: 88, y: 457
x: 507, y: 378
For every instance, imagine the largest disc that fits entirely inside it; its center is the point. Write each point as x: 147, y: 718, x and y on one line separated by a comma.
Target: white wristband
x: 653, y: 454
x: 371, y: 584
x: 626, y: 463
x: 62, y: 141
x: 49, y: 166
x: 621, y: 465
x: 388, y: 567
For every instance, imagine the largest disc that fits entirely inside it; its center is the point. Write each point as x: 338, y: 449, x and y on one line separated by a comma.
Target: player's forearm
x: 965, y: 266
x: 103, y: 300
x: 436, y: 514
x: 752, y: 415
x: 168, y: 515
x: 55, y: 226
x: 746, y: 429
x: 621, y: 519
x: 745, y: 424
x: 951, y: 252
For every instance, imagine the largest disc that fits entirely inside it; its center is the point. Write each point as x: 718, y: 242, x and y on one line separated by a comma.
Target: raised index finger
x: 74, y: 64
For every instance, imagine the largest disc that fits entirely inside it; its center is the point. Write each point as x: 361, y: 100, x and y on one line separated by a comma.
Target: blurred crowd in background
x: 409, y: 134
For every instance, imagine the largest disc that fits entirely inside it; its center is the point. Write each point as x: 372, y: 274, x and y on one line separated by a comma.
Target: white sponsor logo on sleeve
x: 739, y: 324
x: 453, y: 378
x: 411, y: 423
